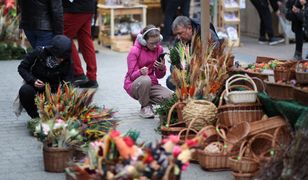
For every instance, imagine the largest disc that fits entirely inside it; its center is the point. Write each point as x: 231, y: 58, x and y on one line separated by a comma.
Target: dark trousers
x: 265, y: 15
x: 27, y: 95
x: 297, y: 28
x: 38, y: 38
x: 171, y: 7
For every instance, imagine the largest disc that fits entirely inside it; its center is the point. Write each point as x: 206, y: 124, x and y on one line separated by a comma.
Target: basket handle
x: 231, y: 87
x: 170, y: 112
x: 187, y: 132
x: 242, y: 149
x: 204, y: 129
x: 263, y: 86
x: 189, y: 128
x: 238, y: 77
x: 258, y: 158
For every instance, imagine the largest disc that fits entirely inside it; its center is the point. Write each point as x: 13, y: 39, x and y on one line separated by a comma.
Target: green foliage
x: 9, y: 51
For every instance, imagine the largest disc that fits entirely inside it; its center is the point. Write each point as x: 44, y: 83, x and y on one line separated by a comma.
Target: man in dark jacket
x: 77, y: 24
x: 51, y: 64
x: 184, y: 28
x: 41, y: 20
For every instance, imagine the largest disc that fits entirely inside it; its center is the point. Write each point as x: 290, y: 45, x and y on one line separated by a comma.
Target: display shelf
x: 107, y: 35
x: 229, y: 20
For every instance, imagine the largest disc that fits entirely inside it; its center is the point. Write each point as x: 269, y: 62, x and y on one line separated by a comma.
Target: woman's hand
x: 159, y: 65
x: 303, y: 2
x: 144, y: 71
x: 39, y: 84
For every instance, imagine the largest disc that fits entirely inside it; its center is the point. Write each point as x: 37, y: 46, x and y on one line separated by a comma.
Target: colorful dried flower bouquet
x: 119, y: 157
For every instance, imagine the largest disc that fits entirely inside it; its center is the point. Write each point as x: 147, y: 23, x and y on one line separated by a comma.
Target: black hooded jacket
x: 36, y: 64
x: 41, y: 15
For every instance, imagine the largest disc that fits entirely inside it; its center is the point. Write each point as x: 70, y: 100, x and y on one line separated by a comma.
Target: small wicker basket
x: 235, y: 97
x: 241, y: 164
x: 56, y: 159
x: 172, y: 129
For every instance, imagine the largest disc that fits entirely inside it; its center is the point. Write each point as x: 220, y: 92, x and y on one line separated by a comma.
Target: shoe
x: 275, y: 40
x: 263, y: 40
x: 297, y: 56
x: 146, y: 112
x: 80, y: 77
x: 88, y: 84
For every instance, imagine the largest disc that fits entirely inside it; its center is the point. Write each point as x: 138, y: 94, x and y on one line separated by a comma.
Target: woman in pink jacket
x: 144, y: 68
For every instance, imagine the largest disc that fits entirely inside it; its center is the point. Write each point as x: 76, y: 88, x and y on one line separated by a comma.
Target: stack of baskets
x: 249, y: 109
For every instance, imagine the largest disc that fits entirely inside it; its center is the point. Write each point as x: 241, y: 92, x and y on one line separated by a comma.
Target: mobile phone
x: 161, y: 56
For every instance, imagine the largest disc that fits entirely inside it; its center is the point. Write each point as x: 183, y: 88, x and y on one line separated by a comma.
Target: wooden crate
x: 121, y: 45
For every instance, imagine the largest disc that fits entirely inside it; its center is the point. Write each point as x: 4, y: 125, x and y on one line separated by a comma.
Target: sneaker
x: 146, y: 112
x: 275, y: 40
x: 263, y: 40
x: 88, y: 84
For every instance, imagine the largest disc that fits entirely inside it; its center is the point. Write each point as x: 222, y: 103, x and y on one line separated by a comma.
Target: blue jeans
x: 39, y: 38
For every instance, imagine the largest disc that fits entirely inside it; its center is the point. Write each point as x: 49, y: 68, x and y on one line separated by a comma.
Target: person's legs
x: 87, y: 47
x: 141, y: 92
x: 159, y: 93
x: 72, y: 24
x: 299, y: 39
x: 170, y: 12
x: 185, y: 6
x: 27, y: 94
x: 43, y: 38
x: 31, y: 37
x: 263, y: 11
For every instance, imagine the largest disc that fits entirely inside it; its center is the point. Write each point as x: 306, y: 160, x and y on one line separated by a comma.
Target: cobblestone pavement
x: 21, y: 154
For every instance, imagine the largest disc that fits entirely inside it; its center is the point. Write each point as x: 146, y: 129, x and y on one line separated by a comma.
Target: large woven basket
x: 231, y: 114
x: 202, y: 111
x: 56, y: 159
x: 279, y: 91
x: 245, y: 96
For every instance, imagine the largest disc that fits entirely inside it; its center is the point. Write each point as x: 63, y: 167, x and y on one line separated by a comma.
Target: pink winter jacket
x: 138, y: 57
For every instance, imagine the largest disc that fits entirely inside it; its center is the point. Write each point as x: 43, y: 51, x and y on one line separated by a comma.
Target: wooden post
x: 205, y: 24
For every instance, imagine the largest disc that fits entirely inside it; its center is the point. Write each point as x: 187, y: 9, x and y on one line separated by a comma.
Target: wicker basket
x: 262, y: 147
x: 209, y: 161
x: 243, y: 164
x: 234, y: 136
x: 301, y: 77
x: 279, y: 91
x: 282, y: 75
x: 202, y: 111
x: 235, y: 97
x: 231, y: 114
x: 172, y: 129
x: 56, y: 159
x: 300, y: 95
x: 243, y: 176
x: 267, y: 125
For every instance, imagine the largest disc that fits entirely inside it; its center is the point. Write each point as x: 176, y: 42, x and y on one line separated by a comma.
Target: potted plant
x: 58, y: 137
